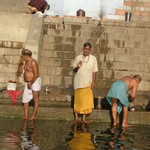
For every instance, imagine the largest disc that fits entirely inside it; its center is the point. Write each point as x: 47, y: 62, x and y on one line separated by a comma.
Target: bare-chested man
x: 32, y: 83
x: 118, y: 97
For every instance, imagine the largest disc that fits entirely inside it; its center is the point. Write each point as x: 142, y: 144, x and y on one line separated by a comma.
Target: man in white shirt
x: 85, y: 68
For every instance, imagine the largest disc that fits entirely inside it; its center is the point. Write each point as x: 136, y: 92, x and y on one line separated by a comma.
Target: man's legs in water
x: 75, y: 117
x: 114, y: 110
x: 36, y: 104
x: 125, y: 116
x: 25, y: 107
x: 83, y: 119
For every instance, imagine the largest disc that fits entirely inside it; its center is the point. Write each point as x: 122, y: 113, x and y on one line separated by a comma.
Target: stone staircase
x: 56, y: 55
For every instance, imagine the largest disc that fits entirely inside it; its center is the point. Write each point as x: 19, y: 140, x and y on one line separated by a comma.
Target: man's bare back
x: 131, y: 83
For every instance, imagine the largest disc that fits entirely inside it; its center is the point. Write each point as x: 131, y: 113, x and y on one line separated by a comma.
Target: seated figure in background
x: 35, y: 6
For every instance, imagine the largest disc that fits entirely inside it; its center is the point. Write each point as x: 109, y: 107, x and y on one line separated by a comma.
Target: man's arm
x: 93, y: 80
x: 134, y: 90
x: 78, y: 66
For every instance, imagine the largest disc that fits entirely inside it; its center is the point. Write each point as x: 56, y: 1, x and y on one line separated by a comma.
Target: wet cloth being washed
x: 118, y: 90
x: 27, y: 94
x: 83, y: 101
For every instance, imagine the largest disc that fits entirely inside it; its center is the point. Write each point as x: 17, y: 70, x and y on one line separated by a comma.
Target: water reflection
x: 28, y: 136
x: 11, y: 140
x: 81, y: 138
x: 16, y: 134
x: 113, y: 138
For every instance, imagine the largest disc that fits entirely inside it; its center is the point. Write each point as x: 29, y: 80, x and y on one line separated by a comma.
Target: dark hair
x: 138, y: 77
x: 26, y: 52
x: 87, y: 44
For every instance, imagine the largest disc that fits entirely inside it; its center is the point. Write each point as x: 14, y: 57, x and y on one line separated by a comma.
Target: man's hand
x: 29, y: 85
x: 79, y: 64
x: 92, y: 86
x: 130, y: 98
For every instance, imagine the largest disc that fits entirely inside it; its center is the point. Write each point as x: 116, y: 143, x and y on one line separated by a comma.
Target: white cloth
x: 83, y: 77
x: 27, y: 94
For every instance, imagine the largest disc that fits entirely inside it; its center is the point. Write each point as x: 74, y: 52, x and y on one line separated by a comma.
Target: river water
x: 17, y: 134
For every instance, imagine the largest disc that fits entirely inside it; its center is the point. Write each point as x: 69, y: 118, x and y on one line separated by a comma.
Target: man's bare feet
x: 32, y: 118
x: 26, y: 118
x: 76, y: 121
x: 114, y: 124
x: 126, y: 125
x: 85, y: 121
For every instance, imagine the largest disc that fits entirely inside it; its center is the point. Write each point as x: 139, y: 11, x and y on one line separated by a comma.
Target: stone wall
x: 14, y: 6
x: 17, y: 31
x: 121, y: 49
x: 62, y: 41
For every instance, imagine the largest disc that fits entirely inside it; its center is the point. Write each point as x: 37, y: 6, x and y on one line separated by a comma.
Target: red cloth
x: 13, y: 94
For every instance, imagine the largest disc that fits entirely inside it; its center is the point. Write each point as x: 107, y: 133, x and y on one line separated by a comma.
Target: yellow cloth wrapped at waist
x: 83, y: 101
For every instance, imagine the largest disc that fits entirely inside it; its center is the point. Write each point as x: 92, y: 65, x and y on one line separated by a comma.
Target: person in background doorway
x: 85, y: 68
x: 32, y: 83
x: 35, y: 6
x: 118, y: 96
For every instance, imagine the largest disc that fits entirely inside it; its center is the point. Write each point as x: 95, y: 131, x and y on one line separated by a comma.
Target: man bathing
x: 32, y: 83
x: 118, y: 97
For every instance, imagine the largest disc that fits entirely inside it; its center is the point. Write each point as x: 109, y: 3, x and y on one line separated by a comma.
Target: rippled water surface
x: 16, y: 134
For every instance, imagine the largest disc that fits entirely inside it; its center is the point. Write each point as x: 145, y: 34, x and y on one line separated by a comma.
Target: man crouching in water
x: 32, y: 83
x: 118, y: 96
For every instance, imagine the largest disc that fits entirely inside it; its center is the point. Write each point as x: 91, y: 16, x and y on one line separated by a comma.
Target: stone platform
x: 65, y: 113
x: 58, y: 105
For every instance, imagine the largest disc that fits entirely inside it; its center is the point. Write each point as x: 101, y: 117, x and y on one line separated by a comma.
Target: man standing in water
x: 118, y: 97
x: 32, y: 83
x: 85, y: 68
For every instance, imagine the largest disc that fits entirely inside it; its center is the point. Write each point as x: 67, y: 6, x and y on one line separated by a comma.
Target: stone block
x: 51, y: 71
x: 48, y: 53
x: 68, y: 81
x: 66, y: 63
x: 47, y: 45
x: 64, y: 71
x: 12, y: 52
x: 133, y: 117
x: 144, y: 117
x: 66, y: 55
x: 71, y: 40
x: 46, y: 79
x: 75, y: 27
x: 56, y: 80
x: 50, y: 62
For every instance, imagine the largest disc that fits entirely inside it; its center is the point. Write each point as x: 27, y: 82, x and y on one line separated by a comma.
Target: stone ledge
x: 136, y: 117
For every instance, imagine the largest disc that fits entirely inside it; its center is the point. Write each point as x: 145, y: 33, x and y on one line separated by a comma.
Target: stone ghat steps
x: 63, y: 97
x: 53, y: 113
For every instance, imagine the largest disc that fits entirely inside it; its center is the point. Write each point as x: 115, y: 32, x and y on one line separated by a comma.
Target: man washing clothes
x: 32, y: 83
